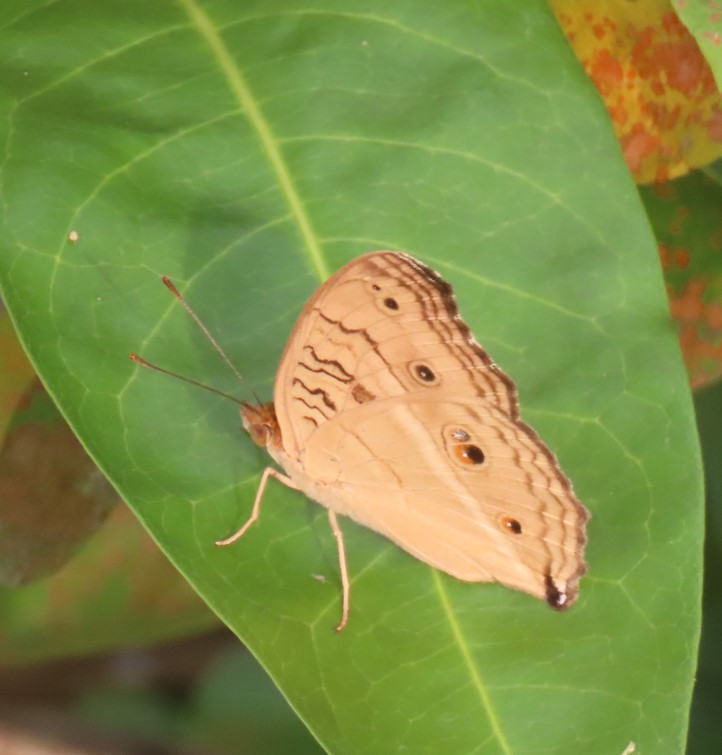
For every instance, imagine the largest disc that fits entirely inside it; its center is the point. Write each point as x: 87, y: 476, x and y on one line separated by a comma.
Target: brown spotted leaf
x: 687, y: 221
x: 52, y: 496
x: 657, y: 85
x: 92, y: 590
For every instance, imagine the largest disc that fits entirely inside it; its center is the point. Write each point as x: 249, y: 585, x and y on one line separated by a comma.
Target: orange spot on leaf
x: 607, y: 72
x: 681, y: 259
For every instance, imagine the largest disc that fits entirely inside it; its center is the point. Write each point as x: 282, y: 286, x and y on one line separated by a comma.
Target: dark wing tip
x: 556, y: 599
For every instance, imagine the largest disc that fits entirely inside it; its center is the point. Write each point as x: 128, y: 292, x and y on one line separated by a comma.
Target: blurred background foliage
x: 657, y: 67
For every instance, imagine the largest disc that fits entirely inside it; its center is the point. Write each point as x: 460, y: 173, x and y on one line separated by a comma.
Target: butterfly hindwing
x: 459, y: 485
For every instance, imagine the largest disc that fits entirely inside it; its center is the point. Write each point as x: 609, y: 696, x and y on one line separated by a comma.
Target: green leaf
x: 705, y: 725
x: 247, y: 152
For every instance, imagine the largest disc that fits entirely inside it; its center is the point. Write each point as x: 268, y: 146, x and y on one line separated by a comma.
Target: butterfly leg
x: 344, y: 570
x: 267, y: 472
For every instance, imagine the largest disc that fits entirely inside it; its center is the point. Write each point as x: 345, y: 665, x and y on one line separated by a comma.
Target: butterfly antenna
x: 143, y: 363
x: 168, y: 283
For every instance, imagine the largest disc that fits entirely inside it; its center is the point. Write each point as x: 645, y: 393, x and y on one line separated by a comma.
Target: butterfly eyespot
x: 375, y: 287
x: 461, y: 435
x: 390, y: 303
x: 511, y: 524
x: 424, y: 373
x: 469, y: 454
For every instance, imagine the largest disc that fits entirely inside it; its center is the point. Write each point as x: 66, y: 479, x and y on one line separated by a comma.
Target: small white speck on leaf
x: 73, y: 237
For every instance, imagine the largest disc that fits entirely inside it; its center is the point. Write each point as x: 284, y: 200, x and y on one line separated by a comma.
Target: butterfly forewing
x: 384, y: 325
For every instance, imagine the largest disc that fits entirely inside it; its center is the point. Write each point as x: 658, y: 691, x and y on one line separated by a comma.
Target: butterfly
x: 386, y: 410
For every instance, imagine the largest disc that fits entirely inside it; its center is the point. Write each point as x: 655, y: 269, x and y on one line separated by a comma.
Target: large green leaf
x: 247, y: 152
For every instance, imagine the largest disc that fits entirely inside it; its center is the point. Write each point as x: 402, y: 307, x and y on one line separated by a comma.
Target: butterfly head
x: 260, y: 423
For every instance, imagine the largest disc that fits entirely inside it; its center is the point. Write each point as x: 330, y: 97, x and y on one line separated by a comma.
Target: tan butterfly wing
x: 390, y: 413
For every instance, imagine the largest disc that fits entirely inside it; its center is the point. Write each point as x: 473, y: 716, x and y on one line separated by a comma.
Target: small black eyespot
x: 375, y: 287
x: 512, y: 525
x: 391, y: 303
x: 470, y: 454
x: 425, y: 373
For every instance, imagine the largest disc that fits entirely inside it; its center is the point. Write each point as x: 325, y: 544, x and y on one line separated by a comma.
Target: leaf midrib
x: 242, y: 92
x: 463, y: 646
x: 269, y: 144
